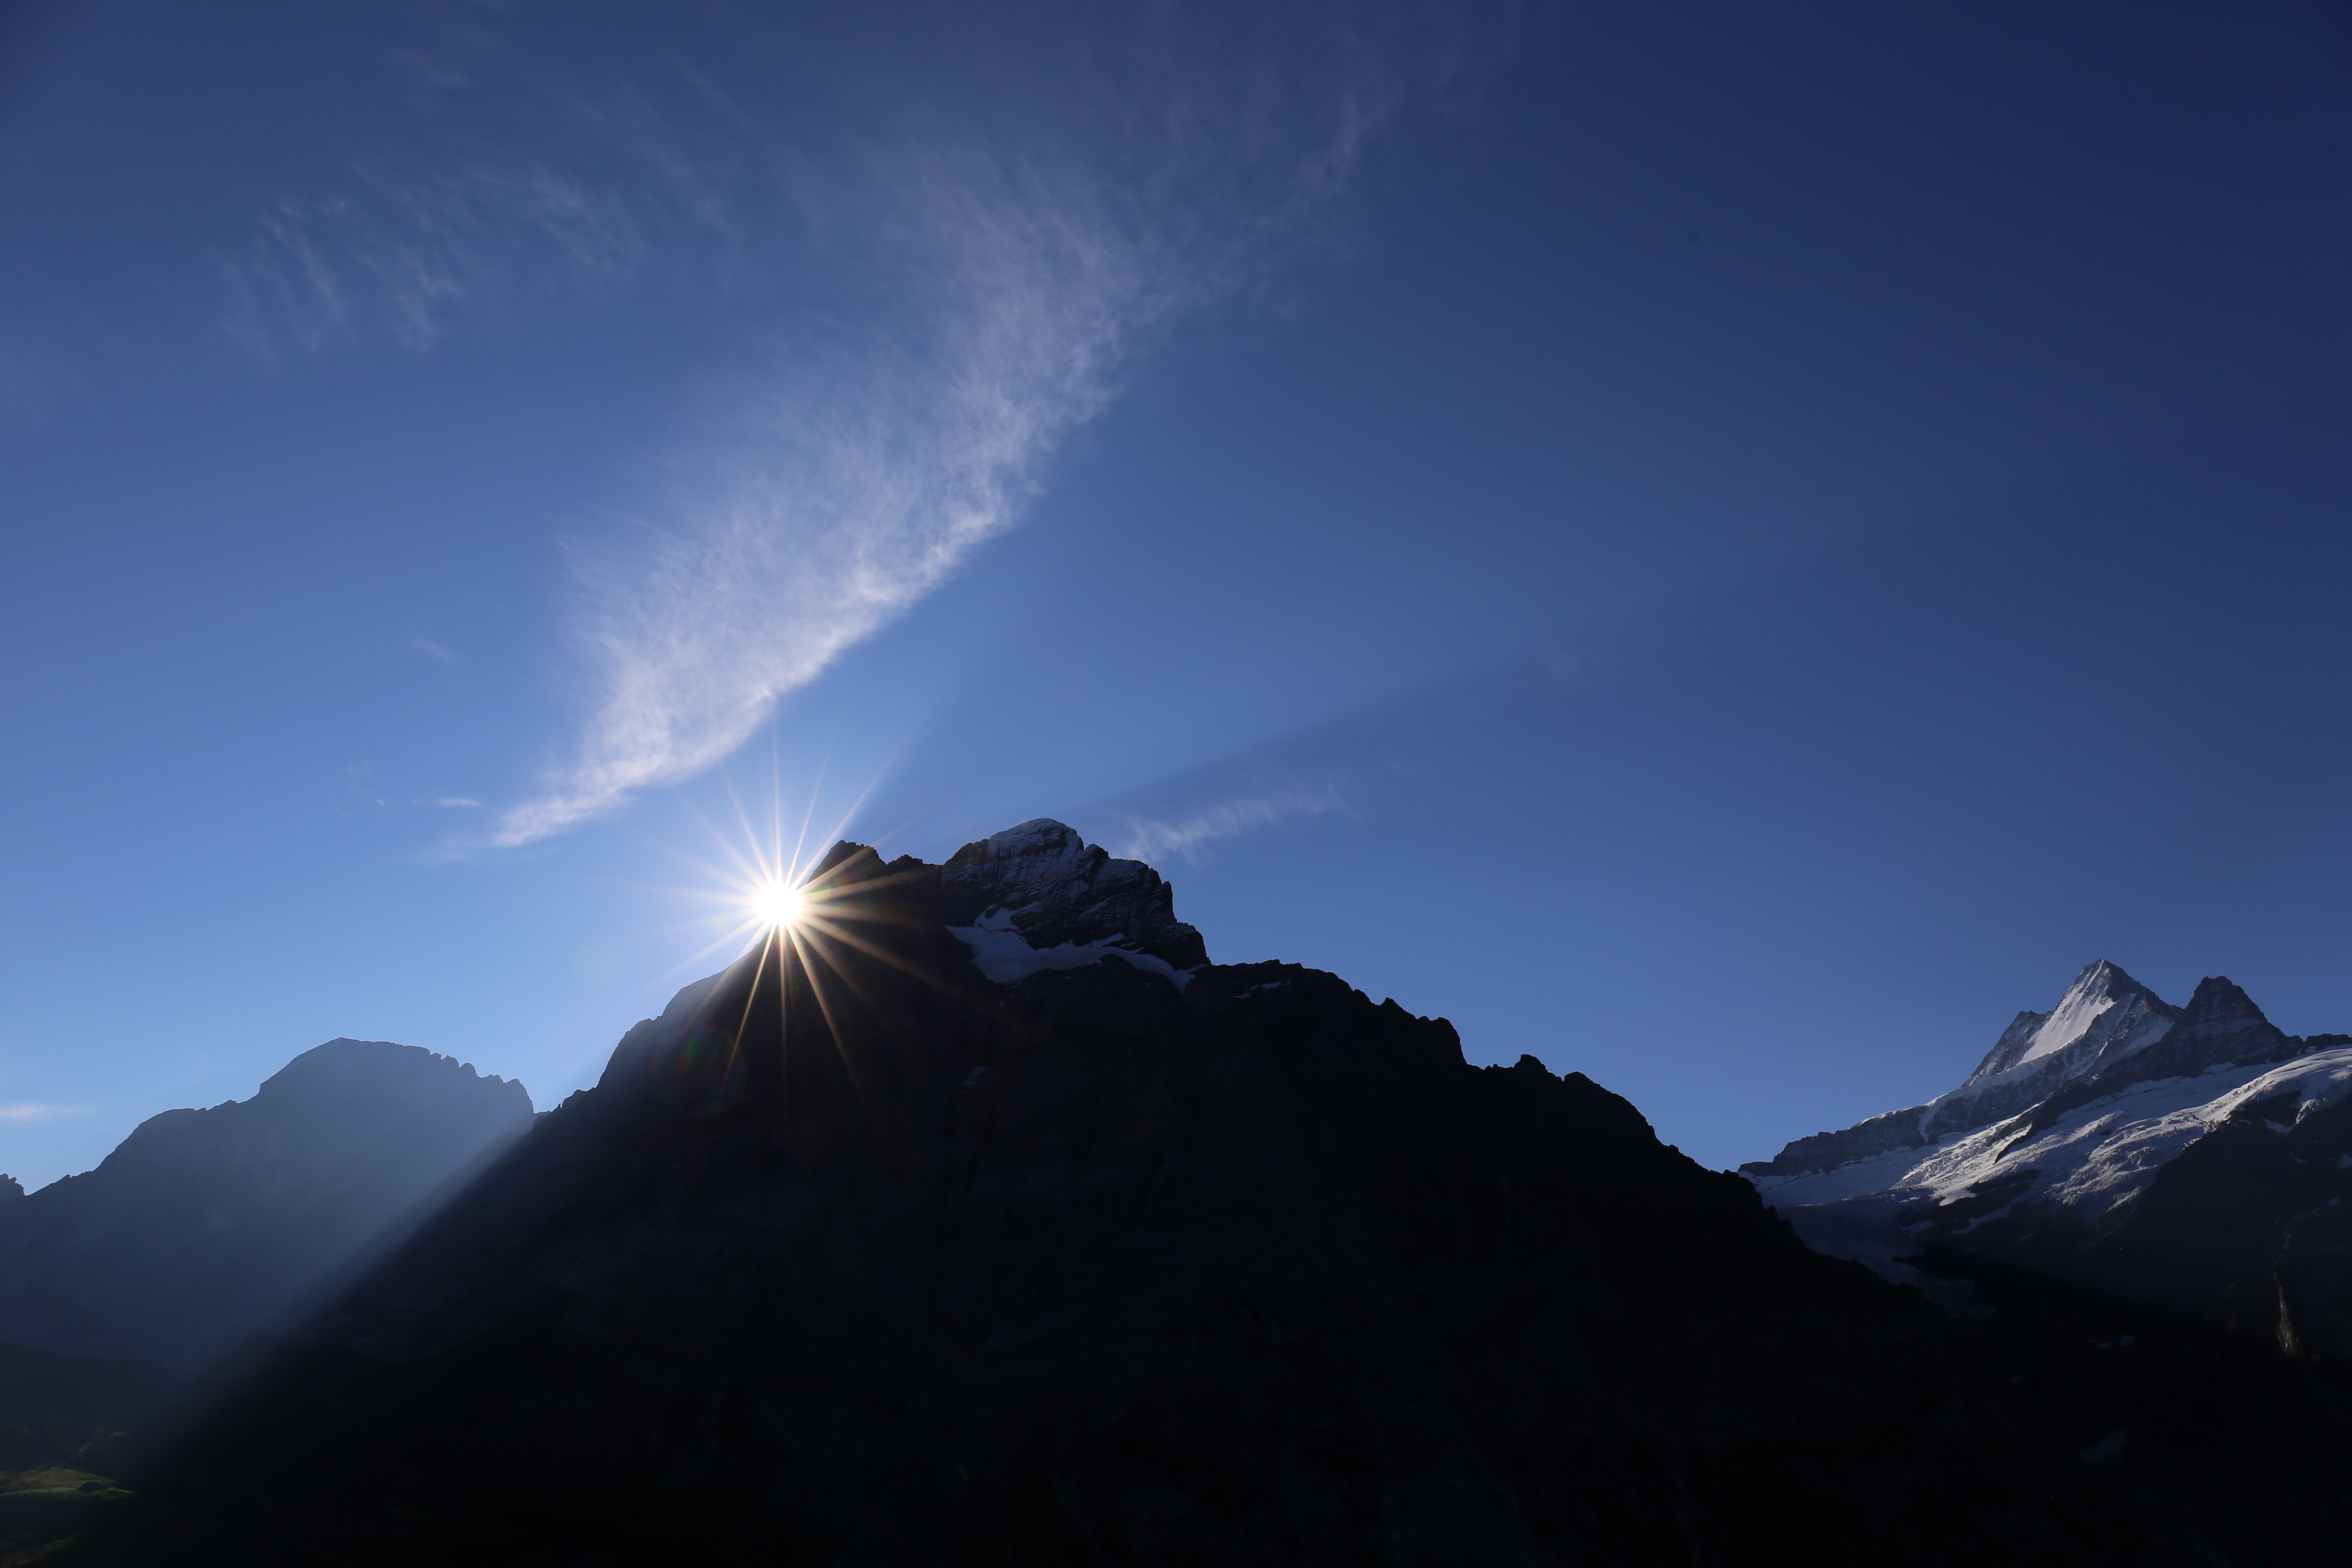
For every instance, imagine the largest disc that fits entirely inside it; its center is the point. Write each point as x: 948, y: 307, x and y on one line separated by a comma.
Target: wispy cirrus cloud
x: 990, y: 266
x: 862, y: 474
x: 873, y: 464
x: 1182, y: 836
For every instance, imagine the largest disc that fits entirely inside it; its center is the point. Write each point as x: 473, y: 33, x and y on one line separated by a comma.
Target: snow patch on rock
x: 1004, y: 955
x: 1042, y: 882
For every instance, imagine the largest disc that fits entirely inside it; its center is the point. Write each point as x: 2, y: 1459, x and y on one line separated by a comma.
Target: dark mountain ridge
x: 857, y: 1254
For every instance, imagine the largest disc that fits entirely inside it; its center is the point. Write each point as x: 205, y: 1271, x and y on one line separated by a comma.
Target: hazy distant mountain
x: 2198, y: 1157
x: 988, y: 1222
x: 205, y: 1226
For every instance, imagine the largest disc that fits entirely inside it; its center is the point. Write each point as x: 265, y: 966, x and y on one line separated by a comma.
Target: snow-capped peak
x: 2045, y: 1155
x: 2104, y: 1017
x: 2106, y: 1012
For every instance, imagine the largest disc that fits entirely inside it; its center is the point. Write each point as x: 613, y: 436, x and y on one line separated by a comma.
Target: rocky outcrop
x: 205, y: 1226
x: 2220, y: 1024
x: 1053, y: 888
x: 1887, y: 1132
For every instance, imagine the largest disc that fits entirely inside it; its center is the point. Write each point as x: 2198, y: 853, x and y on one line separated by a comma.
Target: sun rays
x: 806, y: 934
x: 763, y: 885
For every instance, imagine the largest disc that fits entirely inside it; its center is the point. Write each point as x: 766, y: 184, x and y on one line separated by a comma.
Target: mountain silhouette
x: 205, y: 1226
x: 857, y: 1254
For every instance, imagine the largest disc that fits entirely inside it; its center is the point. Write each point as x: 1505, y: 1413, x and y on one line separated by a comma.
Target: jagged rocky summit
x: 2199, y: 1157
x: 1039, y: 897
x: 205, y: 1226
x: 980, y: 1219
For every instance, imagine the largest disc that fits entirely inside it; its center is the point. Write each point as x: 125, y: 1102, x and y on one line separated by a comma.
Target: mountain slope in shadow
x: 859, y: 1256
x: 205, y: 1226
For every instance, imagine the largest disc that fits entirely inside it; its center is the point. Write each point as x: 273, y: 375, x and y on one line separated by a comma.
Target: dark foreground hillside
x: 858, y: 1255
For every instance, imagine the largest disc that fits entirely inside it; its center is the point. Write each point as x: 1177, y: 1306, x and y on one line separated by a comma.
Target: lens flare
x: 777, y: 904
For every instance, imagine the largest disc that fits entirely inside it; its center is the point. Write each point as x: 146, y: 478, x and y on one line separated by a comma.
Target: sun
x: 776, y: 904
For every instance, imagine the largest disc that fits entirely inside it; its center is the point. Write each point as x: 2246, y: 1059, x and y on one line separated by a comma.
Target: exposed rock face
x: 2220, y: 1024
x: 205, y: 1226
x: 857, y: 1256
x: 1053, y: 888
x: 1888, y: 1132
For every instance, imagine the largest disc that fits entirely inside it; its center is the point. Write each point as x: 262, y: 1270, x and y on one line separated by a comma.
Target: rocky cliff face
x: 205, y: 1226
x: 860, y: 1255
x: 1042, y: 881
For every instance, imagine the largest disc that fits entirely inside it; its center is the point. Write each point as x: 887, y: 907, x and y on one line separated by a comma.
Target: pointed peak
x: 2103, y: 1014
x: 2220, y: 1000
x: 2100, y: 977
x: 844, y: 854
x: 2221, y: 1026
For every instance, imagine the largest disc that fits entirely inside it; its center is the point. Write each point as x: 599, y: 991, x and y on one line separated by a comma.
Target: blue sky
x: 1730, y: 552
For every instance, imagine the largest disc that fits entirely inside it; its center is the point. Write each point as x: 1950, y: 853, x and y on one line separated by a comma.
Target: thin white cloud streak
x: 34, y: 1110
x: 1025, y: 277
x: 873, y: 471
x: 875, y: 465
x: 1152, y: 840
x: 1002, y: 281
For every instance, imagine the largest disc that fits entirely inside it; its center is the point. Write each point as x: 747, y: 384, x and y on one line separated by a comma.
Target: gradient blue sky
x: 1728, y: 548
